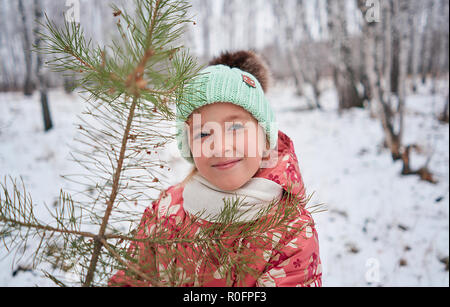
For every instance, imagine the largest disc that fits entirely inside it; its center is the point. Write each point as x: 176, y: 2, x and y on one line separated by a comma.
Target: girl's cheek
x: 247, y: 145
x: 199, y: 163
x: 239, y: 142
x: 253, y: 143
x: 196, y: 146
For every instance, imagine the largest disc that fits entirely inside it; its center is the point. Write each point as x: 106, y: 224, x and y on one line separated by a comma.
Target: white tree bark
x: 402, y: 26
x: 427, y: 39
x: 28, y: 86
x: 342, y: 59
x: 387, y: 52
x: 41, y: 80
x: 287, y: 46
x: 309, y: 61
x: 414, y: 15
x: 229, y: 23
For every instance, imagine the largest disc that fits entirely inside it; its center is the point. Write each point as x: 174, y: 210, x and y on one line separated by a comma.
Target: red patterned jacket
x: 290, y: 260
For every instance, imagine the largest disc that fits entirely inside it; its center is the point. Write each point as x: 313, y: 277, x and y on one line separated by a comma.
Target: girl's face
x: 227, y: 144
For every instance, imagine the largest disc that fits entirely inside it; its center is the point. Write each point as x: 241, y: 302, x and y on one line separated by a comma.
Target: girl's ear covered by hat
x: 247, y: 61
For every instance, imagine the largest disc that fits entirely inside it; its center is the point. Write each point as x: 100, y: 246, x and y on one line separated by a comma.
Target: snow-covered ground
x: 381, y: 228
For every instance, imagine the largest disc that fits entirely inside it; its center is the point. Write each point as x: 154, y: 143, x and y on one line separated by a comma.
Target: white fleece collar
x: 202, y: 197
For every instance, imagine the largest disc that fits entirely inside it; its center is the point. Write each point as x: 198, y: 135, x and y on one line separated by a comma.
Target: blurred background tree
x: 265, y: 26
x: 374, y: 52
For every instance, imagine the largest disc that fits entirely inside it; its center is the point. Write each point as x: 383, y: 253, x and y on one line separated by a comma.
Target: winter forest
x: 360, y: 86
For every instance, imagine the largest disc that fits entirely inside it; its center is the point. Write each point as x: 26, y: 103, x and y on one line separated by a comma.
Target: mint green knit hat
x: 220, y: 83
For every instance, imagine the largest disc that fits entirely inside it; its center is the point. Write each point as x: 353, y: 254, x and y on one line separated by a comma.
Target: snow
x: 39, y: 158
x: 381, y: 228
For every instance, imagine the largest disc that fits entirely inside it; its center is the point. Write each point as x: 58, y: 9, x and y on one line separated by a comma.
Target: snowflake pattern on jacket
x: 290, y: 260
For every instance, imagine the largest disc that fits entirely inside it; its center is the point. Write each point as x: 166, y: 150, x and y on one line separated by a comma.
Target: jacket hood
x: 286, y: 171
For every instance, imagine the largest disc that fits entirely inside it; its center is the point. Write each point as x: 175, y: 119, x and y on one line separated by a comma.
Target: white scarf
x: 204, y: 199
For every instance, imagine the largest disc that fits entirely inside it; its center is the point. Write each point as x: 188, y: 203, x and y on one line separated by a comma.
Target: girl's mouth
x: 227, y: 165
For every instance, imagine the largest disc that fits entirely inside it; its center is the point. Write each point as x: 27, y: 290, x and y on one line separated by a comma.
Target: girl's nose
x: 223, y: 145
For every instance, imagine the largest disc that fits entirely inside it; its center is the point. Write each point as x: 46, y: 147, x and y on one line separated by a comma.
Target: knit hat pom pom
x: 247, y: 61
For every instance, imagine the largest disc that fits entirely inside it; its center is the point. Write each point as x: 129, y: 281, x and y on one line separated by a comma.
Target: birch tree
x: 344, y: 74
x: 369, y: 38
x: 206, y: 20
x: 285, y: 42
x: 297, y: 45
x: 430, y: 9
x: 4, y: 75
x: 310, y: 58
x: 378, y: 44
x: 402, y: 10
x: 9, y: 59
x: 28, y: 85
x: 252, y: 8
x: 440, y: 42
x: 414, y: 20
x: 41, y: 77
x: 229, y: 24
x: 444, y: 116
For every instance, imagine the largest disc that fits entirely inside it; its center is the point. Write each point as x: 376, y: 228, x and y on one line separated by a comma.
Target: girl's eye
x: 202, y: 135
x: 237, y: 126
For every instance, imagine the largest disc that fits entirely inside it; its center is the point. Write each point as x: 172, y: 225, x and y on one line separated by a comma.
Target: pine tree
x: 132, y: 86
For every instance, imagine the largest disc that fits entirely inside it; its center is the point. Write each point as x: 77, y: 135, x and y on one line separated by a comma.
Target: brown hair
x: 248, y: 61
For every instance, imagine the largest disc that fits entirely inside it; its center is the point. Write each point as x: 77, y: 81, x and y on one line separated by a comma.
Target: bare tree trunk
x: 368, y: 67
x: 362, y: 71
x: 377, y: 59
x: 403, y: 10
x: 344, y: 74
x: 427, y: 40
x: 309, y: 65
x: 287, y: 47
x: 416, y: 6
x: 319, y: 18
x: 445, y: 113
x: 229, y: 21
x: 387, y: 53
x: 387, y: 114
x: 207, y: 13
x: 3, y: 74
x: 373, y: 34
x: 28, y: 84
x: 41, y: 81
x: 7, y: 62
x: 252, y: 10
x: 440, y: 43
x: 395, y: 67
x: 69, y: 84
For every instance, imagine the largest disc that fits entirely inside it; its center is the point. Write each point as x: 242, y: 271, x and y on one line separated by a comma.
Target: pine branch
x: 129, y: 265
x: 112, y: 197
x: 132, y: 86
x: 19, y: 222
x: 218, y: 245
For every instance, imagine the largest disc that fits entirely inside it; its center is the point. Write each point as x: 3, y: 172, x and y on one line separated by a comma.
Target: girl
x: 231, y: 137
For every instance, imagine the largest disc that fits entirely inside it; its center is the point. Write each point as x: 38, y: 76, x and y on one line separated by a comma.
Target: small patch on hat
x: 249, y: 81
